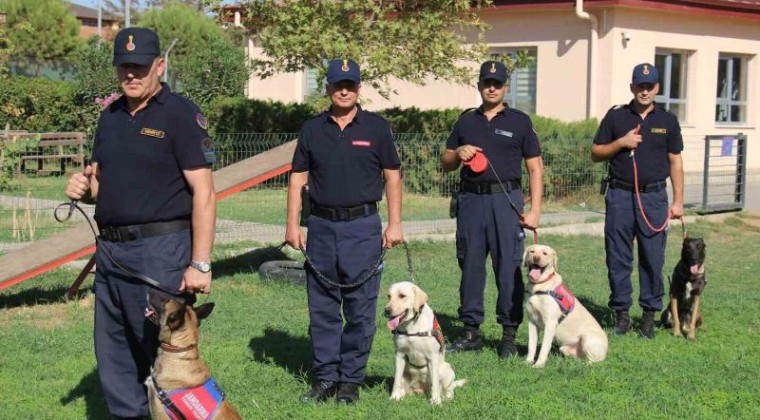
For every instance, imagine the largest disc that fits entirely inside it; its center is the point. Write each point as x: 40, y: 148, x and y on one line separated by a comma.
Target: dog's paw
x: 435, y: 400
x: 692, y: 337
x: 397, y: 396
x: 529, y: 360
x: 539, y: 364
x: 677, y: 333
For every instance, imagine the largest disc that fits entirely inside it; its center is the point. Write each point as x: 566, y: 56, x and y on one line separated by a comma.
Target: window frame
x: 511, y: 98
x: 666, y: 83
x: 743, y: 84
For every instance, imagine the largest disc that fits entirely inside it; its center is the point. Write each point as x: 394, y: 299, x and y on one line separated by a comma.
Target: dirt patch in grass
x: 45, y: 317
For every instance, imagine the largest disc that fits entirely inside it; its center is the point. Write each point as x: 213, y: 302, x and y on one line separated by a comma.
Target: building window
x: 731, y: 102
x: 312, y: 86
x: 673, y: 69
x: 522, y: 82
x: 89, y: 22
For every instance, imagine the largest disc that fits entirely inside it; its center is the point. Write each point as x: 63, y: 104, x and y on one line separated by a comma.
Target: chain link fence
x: 571, y: 183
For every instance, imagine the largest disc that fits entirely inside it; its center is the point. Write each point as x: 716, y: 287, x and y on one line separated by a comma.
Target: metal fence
x: 571, y: 189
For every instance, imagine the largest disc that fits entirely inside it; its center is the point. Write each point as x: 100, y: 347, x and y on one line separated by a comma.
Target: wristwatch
x: 201, y: 266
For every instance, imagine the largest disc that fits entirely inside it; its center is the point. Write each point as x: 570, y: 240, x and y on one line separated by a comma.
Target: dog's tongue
x: 393, y: 323
x: 535, y: 273
x: 695, y: 268
x: 149, y: 312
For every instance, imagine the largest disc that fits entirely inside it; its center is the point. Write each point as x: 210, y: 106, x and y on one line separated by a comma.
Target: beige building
x: 706, y: 51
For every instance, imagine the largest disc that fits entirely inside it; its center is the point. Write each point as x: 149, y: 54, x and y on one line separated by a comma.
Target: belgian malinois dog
x: 686, y: 287
x: 180, y: 384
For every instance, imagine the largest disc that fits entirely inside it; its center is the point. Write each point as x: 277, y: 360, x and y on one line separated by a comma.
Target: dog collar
x: 174, y: 349
x: 436, y: 333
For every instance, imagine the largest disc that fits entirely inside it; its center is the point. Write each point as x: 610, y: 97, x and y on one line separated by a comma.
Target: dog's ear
x: 525, y: 256
x: 176, y: 319
x: 555, y: 260
x: 203, y: 311
x: 420, y: 298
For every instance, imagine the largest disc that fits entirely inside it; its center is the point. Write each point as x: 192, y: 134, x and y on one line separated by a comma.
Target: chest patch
x: 152, y: 132
x: 503, y: 133
x: 361, y: 143
x: 198, y: 403
x: 659, y: 130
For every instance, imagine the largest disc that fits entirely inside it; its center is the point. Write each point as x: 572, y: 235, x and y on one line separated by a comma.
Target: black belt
x: 343, y: 214
x: 653, y: 187
x: 130, y: 233
x: 488, y: 187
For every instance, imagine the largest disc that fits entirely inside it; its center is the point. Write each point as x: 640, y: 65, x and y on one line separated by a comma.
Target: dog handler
x: 655, y: 136
x: 343, y: 153
x: 155, y: 207
x: 486, y: 221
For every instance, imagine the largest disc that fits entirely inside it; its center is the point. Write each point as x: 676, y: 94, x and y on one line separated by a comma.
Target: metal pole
x: 166, y: 59
x: 706, y: 174
x: 100, y: 20
x: 126, y: 13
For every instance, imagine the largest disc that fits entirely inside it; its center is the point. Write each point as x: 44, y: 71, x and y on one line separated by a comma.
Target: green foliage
x: 5, y: 51
x: 40, y: 31
x: 382, y: 36
x: 218, y: 70
x: 240, y: 115
x: 10, y: 158
x: 38, y: 104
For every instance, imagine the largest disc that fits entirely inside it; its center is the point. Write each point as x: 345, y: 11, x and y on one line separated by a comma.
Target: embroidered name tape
x: 153, y: 133
x: 504, y: 133
x: 361, y: 143
x: 659, y: 131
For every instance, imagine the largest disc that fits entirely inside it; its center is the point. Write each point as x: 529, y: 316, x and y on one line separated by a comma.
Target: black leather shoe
x: 347, y: 393
x: 622, y: 322
x: 470, y: 342
x: 647, y: 324
x: 506, y: 346
x: 320, y: 391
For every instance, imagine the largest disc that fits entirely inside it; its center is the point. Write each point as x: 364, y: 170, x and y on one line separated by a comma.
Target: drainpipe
x: 590, y: 91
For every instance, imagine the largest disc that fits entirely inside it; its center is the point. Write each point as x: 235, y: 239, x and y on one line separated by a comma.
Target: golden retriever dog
x: 420, y: 364
x: 180, y: 382
x: 553, y: 308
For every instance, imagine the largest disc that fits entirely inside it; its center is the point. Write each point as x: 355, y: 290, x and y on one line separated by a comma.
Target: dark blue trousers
x: 344, y: 252
x: 487, y: 224
x: 126, y: 341
x: 622, y: 224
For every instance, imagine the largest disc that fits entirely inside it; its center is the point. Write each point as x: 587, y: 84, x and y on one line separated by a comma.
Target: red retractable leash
x: 638, y: 195
x: 480, y: 163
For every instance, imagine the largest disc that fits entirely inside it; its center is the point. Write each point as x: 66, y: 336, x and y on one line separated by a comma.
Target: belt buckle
x: 343, y: 213
x: 483, y: 188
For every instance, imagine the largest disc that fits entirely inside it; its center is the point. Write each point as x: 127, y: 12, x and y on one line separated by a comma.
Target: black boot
x: 506, y: 347
x: 347, y: 393
x: 320, y: 391
x: 470, y: 342
x: 622, y: 322
x: 647, y: 324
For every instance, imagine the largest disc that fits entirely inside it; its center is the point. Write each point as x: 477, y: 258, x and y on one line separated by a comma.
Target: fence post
x: 741, y: 169
x: 706, y: 173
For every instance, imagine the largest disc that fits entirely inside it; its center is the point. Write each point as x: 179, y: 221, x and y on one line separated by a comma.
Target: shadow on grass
x: 39, y: 296
x: 603, y: 314
x: 89, y: 389
x: 248, y: 262
x: 293, y: 353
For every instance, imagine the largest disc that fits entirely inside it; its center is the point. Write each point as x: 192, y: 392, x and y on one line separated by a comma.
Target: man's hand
x: 294, y: 237
x: 676, y: 211
x: 393, y: 235
x: 529, y: 220
x: 193, y: 281
x: 79, y: 184
x: 467, y: 152
x: 631, y: 139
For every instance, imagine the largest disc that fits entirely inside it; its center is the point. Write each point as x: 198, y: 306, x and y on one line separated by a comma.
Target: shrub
x: 37, y: 104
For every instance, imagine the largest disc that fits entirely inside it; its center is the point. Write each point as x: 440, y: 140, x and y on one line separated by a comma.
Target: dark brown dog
x: 686, y: 287
x: 180, y: 380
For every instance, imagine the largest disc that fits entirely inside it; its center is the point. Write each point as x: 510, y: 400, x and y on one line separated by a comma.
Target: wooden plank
x: 238, y: 176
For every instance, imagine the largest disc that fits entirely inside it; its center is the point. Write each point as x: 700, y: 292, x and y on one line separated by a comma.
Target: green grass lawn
x: 257, y: 345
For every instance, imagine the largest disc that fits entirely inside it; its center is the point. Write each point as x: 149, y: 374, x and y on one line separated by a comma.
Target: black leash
x: 74, y: 205
x: 326, y: 281
x: 511, y: 203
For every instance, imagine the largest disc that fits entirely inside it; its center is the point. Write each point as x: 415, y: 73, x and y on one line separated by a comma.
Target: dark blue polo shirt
x: 660, y: 135
x: 141, y: 159
x: 345, y: 167
x: 506, y: 140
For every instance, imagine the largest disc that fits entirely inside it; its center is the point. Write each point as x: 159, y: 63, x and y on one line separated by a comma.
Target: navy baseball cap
x: 343, y: 69
x: 135, y: 46
x: 645, y: 73
x: 495, y: 70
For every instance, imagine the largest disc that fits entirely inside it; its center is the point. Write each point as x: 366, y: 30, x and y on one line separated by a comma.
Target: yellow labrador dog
x: 420, y: 364
x: 552, y: 307
x: 180, y: 384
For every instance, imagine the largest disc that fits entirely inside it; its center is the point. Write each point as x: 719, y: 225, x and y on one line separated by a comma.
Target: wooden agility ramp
x: 77, y: 241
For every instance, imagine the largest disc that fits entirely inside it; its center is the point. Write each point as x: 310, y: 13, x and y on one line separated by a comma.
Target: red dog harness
x: 564, y: 298
x: 199, y: 403
x: 436, y: 332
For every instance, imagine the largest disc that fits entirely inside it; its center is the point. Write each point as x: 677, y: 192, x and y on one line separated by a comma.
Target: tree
x: 408, y: 39
x: 94, y: 78
x: 205, y: 61
x: 5, y: 51
x: 41, y: 32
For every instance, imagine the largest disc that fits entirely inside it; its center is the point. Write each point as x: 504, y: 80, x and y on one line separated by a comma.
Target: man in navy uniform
x: 155, y: 207
x: 344, y: 154
x: 488, y: 206
x: 655, y: 136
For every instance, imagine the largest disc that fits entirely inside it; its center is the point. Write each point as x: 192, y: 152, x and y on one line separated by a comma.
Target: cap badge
x: 130, y: 44
x: 201, y: 120
x: 646, y: 69
x: 493, y: 68
x: 345, y: 65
